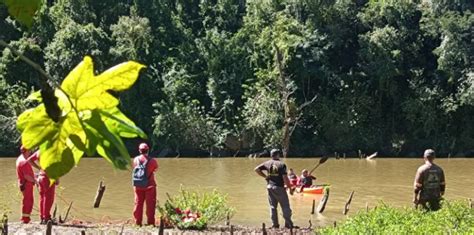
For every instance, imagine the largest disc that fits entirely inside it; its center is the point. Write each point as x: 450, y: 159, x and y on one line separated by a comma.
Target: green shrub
x: 454, y: 218
x: 196, y: 209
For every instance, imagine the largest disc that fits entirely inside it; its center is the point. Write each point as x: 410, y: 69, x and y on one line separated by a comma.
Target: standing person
x: 276, y: 178
x: 46, y: 190
x: 429, y: 183
x: 26, y: 181
x: 144, y: 168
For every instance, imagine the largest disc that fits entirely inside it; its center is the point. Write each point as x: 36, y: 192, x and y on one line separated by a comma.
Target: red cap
x: 143, y: 146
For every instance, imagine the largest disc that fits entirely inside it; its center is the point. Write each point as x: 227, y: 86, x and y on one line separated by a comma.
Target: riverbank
x: 78, y: 227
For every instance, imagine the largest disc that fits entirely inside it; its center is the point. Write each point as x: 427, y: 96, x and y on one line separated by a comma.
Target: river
x: 389, y: 180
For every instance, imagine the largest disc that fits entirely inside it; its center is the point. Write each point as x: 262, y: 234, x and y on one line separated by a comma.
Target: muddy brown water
x: 388, y: 180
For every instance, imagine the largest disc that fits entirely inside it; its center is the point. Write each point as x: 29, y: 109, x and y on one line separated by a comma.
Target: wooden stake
x: 227, y: 221
x: 121, y: 230
x: 67, y: 213
x: 5, y: 224
x: 162, y: 226
x: 83, y: 232
x: 99, y: 194
x: 367, y: 207
x: 348, y: 203
x: 49, y: 227
x: 335, y: 224
x: 264, y: 230
x: 312, y: 208
x: 470, y: 203
x: 55, y: 210
x: 232, y: 230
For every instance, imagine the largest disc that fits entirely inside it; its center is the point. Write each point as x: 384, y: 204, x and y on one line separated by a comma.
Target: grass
x: 455, y: 217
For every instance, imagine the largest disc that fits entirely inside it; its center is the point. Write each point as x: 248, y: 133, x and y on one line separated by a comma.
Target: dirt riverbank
x: 90, y: 228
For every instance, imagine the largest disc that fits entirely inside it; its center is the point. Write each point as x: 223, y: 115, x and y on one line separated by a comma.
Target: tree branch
x: 37, y: 67
x: 302, y: 106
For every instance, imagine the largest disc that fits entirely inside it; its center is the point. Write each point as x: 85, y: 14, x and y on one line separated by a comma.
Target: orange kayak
x: 315, y: 189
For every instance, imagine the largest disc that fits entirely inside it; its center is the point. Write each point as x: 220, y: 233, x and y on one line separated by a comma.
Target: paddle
x: 321, y: 161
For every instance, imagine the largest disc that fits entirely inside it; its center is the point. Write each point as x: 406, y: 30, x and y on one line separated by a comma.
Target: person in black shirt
x: 276, y: 177
x: 306, y: 179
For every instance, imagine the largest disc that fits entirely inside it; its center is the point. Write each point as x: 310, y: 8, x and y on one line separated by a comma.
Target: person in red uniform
x: 46, y: 190
x: 26, y: 181
x: 146, y: 193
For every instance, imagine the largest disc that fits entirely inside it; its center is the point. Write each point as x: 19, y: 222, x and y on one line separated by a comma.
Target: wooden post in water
x: 348, y: 203
x: 312, y: 208
x: 99, y: 194
x: 49, y: 227
x: 264, y: 230
x: 335, y: 224
x: 162, y: 226
x: 227, y: 220
x: 367, y: 207
x: 121, y: 230
x: 5, y: 224
x: 55, y: 210
x: 470, y: 203
x: 324, y: 200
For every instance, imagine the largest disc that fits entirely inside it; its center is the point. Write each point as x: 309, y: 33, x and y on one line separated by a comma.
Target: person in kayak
x: 276, y: 177
x: 429, y: 183
x: 306, y: 180
x: 294, y: 179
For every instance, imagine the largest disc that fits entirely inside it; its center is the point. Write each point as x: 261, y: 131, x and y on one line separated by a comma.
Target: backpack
x: 139, y: 176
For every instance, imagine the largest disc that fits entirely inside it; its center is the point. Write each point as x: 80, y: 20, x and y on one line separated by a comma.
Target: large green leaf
x: 120, y: 124
x: 58, y: 154
x: 90, y: 92
x: 89, y: 119
x: 39, y: 127
x: 109, y: 144
x: 23, y: 119
x: 119, y: 77
x: 23, y: 10
x: 56, y: 158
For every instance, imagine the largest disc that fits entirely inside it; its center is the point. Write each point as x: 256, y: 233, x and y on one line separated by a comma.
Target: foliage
x: 389, y: 76
x: 195, y: 210
x: 89, y: 120
x: 455, y: 217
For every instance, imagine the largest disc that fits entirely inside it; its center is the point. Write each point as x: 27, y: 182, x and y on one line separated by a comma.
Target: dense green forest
x: 231, y: 77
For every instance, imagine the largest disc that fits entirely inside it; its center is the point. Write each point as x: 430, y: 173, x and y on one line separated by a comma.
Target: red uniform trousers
x: 27, y: 203
x: 46, y: 191
x: 147, y: 196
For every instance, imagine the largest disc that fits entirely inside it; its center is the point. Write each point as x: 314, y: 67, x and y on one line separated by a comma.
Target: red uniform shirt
x: 23, y: 168
x: 151, y: 167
